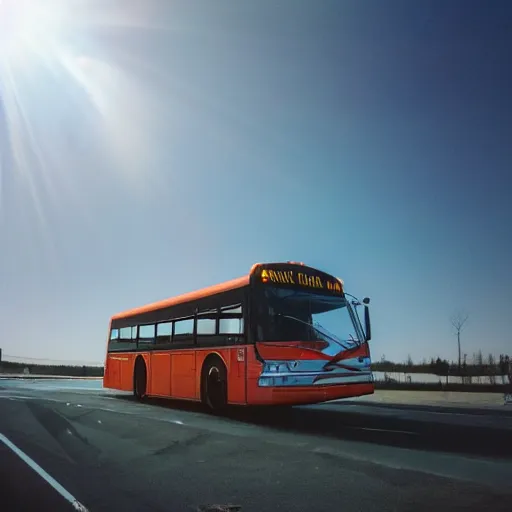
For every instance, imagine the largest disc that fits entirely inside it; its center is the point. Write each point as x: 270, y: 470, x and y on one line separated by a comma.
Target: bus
x: 284, y: 334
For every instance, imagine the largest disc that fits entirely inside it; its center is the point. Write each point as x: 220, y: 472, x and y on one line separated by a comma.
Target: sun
x: 69, y: 92
x: 31, y: 28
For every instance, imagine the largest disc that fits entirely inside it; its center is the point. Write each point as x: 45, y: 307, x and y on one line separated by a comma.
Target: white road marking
x: 386, y: 430
x: 20, y: 397
x: 43, y: 474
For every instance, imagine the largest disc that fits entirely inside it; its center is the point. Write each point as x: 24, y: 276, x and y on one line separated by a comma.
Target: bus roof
x: 199, y: 294
x: 186, y: 297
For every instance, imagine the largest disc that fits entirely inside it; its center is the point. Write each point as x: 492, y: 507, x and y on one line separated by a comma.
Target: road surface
x: 108, y: 452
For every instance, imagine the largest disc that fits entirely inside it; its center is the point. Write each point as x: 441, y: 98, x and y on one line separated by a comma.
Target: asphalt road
x: 111, y: 453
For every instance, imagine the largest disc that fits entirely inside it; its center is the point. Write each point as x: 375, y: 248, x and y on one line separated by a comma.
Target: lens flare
x: 66, y: 93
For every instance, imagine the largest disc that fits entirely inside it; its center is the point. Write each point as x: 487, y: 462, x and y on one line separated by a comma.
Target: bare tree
x: 478, y: 359
x: 492, y: 369
x: 458, y: 320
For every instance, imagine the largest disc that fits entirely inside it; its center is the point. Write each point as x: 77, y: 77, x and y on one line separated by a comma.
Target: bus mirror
x: 367, y: 324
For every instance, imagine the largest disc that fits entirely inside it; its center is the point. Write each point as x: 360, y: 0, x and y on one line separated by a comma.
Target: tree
x: 492, y: 369
x: 506, y: 368
x: 442, y: 367
x: 458, y: 320
x: 478, y: 360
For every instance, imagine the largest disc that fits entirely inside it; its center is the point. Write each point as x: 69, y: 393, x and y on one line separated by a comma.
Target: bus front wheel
x: 214, y: 384
x: 139, y: 379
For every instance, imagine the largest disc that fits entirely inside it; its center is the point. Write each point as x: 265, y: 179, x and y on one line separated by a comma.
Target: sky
x: 150, y: 148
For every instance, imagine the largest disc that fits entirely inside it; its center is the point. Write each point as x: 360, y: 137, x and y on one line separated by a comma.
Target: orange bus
x: 283, y: 334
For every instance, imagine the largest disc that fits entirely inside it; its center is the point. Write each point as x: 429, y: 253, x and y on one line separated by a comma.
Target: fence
x: 430, y: 378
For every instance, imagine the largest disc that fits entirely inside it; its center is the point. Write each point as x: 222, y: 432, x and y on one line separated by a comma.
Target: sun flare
x: 65, y: 92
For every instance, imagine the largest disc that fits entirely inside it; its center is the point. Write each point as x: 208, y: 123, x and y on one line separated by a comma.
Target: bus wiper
x: 321, y: 331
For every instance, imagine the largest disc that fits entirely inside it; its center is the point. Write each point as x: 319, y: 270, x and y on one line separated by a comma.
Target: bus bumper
x: 299, y: 395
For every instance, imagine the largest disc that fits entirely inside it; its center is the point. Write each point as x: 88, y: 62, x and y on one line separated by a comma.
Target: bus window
x: 232, y: 310
x: 231, y: 326
x: 164, y: 332
x: 125, y: 333
x: 121, y: 339
x: 184, y: 330
x: 146, y: 334
x: 206, y: 326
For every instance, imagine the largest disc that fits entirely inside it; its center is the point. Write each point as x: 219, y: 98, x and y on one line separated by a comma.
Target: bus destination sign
x: 303, y: 279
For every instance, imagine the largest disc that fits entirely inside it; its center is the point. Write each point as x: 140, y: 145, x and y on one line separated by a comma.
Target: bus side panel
x: 236, y: 375
x: 160, y: 374
x: 112, y: 376
x: 183, y: 375
x: 119, y: 372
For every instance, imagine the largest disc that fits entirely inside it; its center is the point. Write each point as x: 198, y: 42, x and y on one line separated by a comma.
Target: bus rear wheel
x: 139, y: 379
x: 214, y: 384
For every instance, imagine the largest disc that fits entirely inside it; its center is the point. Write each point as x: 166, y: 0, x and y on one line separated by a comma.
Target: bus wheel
x: 139, y: 379
x: 214, y: 384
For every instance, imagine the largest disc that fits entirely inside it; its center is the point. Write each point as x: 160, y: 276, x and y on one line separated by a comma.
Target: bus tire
x: 214, y: 384
x: 139, y: 379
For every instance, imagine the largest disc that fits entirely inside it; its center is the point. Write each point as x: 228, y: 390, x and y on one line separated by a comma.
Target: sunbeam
x: 64, y: 95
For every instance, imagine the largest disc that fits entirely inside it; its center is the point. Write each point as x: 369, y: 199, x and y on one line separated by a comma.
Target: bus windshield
x: 290, y: 315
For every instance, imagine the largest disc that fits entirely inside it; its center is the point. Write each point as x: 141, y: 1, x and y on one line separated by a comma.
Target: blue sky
x: 152, y: 148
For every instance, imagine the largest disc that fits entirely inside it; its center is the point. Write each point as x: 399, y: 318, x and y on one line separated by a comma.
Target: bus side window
x: 121, y: 339
x: 113, y: 343
x: 164, y: 332
x: 231, y: 324
x: 206, y: 327
x: 125, y: 333
x: 184, y: 331
x: 146, y: 335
